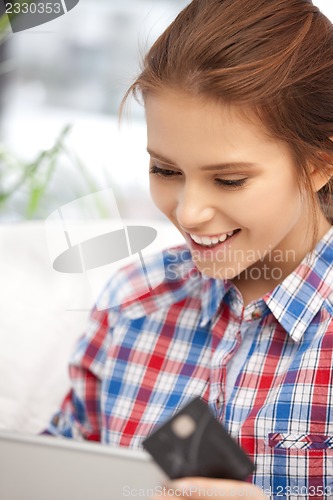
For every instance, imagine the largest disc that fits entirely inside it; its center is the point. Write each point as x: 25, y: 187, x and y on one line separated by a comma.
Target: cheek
x: 282, y: 200
x: 162, y: 196
x: 267, y: 202
x: 275, y: 197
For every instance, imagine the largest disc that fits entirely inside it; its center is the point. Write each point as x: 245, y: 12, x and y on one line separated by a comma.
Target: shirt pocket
x: 305, y: 442
x: 301, y: 465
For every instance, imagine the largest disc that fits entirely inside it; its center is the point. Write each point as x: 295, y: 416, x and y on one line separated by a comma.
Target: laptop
x: 49, y: 468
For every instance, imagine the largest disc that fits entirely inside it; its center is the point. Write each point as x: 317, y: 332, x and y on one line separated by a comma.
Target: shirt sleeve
x: 79, y: 415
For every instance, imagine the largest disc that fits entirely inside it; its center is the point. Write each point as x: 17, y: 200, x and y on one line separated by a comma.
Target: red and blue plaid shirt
x: 139, y: 362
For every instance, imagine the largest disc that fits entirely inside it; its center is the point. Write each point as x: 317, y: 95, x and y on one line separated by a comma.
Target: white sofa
x: 43, y: 312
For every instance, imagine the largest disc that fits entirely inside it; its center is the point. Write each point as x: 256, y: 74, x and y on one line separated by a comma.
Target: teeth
x: 206, y: 240
x: 196, y: 238
x: 210, y: 241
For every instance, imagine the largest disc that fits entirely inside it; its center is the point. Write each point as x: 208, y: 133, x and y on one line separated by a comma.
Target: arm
x: 79, y: 415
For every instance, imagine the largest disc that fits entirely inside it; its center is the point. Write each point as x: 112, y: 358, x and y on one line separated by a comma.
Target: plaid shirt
x: 138, y: 363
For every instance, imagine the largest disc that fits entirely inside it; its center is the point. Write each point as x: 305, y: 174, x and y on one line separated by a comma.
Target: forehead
x: 182, y: 124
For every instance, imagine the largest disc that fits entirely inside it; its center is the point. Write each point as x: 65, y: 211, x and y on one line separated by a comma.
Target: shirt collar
x: 213, y: 292
x: 296, y: 301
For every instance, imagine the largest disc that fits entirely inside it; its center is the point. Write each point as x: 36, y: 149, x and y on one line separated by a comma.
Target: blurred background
x: 61, y: 85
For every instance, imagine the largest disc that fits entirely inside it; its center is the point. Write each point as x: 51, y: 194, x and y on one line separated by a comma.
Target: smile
x: 210, y: 241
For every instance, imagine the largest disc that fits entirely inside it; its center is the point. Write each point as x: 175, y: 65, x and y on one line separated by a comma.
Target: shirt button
x: 256, y: 313
x: 55, y: 420
x: 219, y: 401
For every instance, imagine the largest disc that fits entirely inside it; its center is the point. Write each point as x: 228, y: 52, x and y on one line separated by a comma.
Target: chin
x: 217, y: 272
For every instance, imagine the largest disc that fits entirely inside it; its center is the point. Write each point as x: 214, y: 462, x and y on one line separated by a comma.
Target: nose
x: 194, y: 207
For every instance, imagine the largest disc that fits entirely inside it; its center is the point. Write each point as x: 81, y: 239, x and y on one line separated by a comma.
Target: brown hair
x: 274, y: 57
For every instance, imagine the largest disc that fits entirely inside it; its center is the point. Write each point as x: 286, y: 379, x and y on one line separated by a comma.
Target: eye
x: 231, y: 183
x: 167, y: 173
x: 163, y: 172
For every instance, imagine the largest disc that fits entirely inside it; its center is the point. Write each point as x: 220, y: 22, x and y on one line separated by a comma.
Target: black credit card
x: 194, y: 443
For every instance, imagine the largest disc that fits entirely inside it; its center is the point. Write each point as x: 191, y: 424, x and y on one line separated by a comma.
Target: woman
x: 239, y: 106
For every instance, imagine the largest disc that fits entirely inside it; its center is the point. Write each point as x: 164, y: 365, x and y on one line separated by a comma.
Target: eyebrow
x: 237, y: 165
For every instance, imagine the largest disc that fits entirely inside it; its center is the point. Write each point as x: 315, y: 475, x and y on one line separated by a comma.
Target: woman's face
x: 229, y: 188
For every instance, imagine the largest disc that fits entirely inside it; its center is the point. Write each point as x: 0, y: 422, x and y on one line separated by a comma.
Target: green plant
x: 35, y: 176
x: 16, y: 174
x: 25, y: 185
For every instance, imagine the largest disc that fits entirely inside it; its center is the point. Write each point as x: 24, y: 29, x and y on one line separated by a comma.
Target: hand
x: 201, y: 488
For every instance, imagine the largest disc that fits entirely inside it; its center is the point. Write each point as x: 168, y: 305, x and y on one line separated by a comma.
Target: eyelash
x: 165, y: 173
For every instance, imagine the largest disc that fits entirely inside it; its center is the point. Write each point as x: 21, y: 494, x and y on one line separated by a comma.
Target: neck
x: 264, y: 275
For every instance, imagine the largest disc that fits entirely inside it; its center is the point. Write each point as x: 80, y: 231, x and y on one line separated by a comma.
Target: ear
x: 320, y: 178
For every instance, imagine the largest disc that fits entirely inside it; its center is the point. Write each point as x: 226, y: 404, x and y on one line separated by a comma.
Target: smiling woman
x: 239, y: 107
